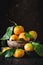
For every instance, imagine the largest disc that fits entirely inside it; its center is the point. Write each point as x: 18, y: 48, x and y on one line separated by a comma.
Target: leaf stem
x: 13, y: 22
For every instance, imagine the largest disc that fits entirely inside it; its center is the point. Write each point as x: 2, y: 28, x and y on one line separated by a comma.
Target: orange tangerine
x: 33, y: 34
x: 18, y: 53
x: 28, y: 47
x: 18, y: 30
x: 14, y: 37
x: 22, y: 36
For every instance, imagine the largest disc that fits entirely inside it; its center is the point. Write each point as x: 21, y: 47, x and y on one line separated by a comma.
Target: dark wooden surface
x: 22, y: 61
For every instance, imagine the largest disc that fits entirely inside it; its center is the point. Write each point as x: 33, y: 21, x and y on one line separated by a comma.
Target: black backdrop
x: 28, y: 13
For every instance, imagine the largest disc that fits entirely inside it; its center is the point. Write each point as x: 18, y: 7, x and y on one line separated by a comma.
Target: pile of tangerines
x: 18, y: 33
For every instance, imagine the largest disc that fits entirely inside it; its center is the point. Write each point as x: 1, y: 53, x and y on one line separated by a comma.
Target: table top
x: 27, y: 60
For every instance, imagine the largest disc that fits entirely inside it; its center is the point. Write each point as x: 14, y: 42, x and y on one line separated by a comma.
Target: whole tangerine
x: 22, y: 36
x: 18, y: 30
x: 13, y: 37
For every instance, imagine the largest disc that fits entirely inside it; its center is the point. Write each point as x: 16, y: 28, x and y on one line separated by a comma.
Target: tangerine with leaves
x: 33, y: 34
x: 22, y: 36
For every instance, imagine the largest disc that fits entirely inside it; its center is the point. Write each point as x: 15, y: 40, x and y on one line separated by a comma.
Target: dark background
x: 28, y: 13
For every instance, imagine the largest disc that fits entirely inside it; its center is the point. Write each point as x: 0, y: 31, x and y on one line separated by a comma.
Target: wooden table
x: 27, y: 60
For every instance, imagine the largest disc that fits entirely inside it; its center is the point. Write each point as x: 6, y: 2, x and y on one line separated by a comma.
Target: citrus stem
x: 13, y: 22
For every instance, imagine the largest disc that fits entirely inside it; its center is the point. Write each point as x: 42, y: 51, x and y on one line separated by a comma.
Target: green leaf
x: 0, y: 52
x: 21, y: 39
x: 8, y: 33
x: 28, y: 35
x: 3, y: 43
x: 9, y: 53
x: 38, y: 48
